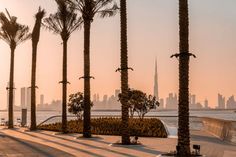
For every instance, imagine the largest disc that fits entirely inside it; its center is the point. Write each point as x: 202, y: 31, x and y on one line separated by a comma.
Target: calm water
x: 167, y: 116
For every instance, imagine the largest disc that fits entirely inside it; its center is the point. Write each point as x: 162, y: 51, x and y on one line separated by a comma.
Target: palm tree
x: 88, y: 9
x: 13, y: 34
x: 183, y: 147
x: 63, y: 22
x: 35, y: 39
x: 124, y: 74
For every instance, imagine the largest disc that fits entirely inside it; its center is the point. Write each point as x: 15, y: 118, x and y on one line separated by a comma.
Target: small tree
x: 139, y: 102
x: 148, y: 103
x: 76, y: 105
x: 136, y: 98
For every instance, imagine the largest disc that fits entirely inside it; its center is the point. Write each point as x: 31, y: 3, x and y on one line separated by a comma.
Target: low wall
x: 224, y: 129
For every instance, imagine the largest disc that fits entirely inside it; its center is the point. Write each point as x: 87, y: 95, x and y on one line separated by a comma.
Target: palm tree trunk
x: 183, y: 122
x: 64, y: 88
x: 33, y: 86
x: 87, y: 107
x: 11, y: 88
x: 35, y: 40
x: 124, y: 74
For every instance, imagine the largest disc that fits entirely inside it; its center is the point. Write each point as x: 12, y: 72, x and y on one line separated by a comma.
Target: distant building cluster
x: 223, y: 104
x: 107, y: 103
x: 26, y: 101
x: 55, y: 105
x: 112, y: 103
x: 171, y: 101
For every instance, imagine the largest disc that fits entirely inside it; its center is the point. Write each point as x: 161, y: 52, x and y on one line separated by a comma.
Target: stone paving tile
x: 60, y: 145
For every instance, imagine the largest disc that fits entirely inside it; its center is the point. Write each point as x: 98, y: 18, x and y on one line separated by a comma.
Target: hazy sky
x: 152, y: 32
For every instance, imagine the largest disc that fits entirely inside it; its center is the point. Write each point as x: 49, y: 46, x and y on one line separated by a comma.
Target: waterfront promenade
x: 19, y: 143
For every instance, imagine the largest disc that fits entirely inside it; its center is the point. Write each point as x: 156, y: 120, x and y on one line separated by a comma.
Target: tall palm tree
x: 35, y: 39
x: 124, y: 74
x: 183, y: 147
x: 88, y: 9
x: 13, y: 34
x: 63, y: 22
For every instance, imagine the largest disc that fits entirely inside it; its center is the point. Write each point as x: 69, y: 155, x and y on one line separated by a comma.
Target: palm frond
x: 4, y: 19
x: 11, y: 31
x: 104, y: 8
x: 22, y: 35
x: 108, y: 12
x: 77, y: 4
x: 64, y: 20
x: 51, y: 24
x: 76, y: 25
x: 99, y: 4
x: 5, y: 38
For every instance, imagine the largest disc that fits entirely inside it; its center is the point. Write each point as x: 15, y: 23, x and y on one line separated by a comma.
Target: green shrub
x: 151, y: 127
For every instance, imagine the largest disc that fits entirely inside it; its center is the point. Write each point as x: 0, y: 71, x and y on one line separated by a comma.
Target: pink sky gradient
x: 152, y: 32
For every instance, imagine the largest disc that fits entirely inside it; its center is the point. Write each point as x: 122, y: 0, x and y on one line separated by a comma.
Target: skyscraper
x: 155, y: 91
x: 231, y: 103
x: 192, y: 99
x: 206, y: 104
x: 42, y: 99
x: 161, y: 106
x: 23, y: 97
x: 28, y: 99
x: 172, y: 101
x: 221, y: 101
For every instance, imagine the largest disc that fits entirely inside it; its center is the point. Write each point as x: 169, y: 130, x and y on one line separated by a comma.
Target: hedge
x: 149, y: 127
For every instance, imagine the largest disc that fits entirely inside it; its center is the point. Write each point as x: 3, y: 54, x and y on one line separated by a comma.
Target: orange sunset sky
x: 152, y: 32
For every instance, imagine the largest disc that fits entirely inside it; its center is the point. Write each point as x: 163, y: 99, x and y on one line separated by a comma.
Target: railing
x: 195, y: 122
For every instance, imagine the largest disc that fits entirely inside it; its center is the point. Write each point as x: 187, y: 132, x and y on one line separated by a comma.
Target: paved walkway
x: 17, y: 143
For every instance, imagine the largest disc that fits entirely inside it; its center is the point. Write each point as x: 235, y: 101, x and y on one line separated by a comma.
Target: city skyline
x: 111, y: 102
x: 169, y: 102
x: 162, y: 42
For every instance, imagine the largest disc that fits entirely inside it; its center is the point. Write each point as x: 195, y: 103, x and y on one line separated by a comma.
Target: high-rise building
x: 193, y: 104
x: 28, y: 99
x: 23, y: 97
x: 161, y: 106
x: 206, y: 104
x: 42, y: 99
x: 172, y: 101
x: 231, y: 103
x: 105, y: 99
x: 192, y: 100
x: 221, y: 102
x: 155, y: 91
